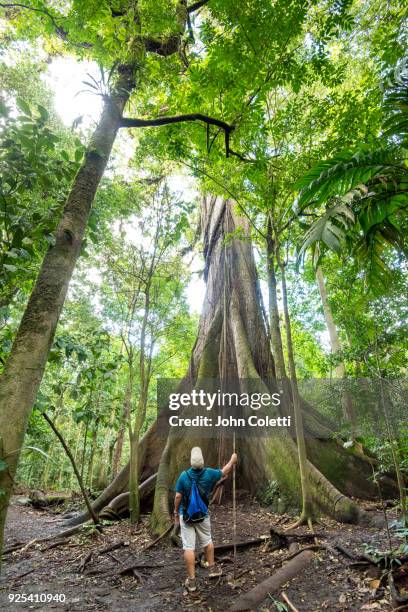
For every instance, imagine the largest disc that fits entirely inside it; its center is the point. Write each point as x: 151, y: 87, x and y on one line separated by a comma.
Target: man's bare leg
x: 209, y: 554
x: 189, y: 558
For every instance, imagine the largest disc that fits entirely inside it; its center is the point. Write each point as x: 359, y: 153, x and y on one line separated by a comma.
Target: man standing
x: 199, y: 532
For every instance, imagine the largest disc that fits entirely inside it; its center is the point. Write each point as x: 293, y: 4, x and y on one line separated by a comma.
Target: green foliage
x: 33, y: 182
x: 370, y: 191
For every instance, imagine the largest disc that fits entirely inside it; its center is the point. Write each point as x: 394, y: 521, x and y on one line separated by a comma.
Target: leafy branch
x: 58, y: 29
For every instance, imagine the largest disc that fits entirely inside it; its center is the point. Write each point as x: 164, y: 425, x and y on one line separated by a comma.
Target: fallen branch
x: 54, y: 545
x: 130, y: 569
x: 358, y: 558
x: 313, y: 547
x: 254, y: 597
x: 256, y: 542
x: 13, y: 548
x: 84, y: 562
x: 30, y: 571
x: 284, y: 536
x: 157, y: 539
x: 111, y: 547
x: 62, y: 534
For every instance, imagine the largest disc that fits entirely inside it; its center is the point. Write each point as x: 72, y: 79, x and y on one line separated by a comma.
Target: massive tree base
x: 232, y: 341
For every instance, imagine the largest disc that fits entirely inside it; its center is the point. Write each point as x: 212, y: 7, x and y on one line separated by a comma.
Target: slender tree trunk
x: 74, y: 467
x: 25, y: 366
x: 84, y: 445
x: 94, y: 441
x: 122, y: 428
x: 274, y: 322
x: 335, y: 343
x: 307, y: 506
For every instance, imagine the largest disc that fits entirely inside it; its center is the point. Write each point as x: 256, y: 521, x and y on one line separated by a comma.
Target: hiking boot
x: 214, y: 571
x: 190, y: 585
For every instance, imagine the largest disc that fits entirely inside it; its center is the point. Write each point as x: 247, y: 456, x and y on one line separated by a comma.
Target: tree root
x: 130, y: 568
x: 61, y: 534
x: 84, y: 562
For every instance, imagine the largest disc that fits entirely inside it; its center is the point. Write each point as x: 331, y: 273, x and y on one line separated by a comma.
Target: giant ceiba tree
x: 232, y: 337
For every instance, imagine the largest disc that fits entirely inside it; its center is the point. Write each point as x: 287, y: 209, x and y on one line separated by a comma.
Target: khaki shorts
x: 195, y: 532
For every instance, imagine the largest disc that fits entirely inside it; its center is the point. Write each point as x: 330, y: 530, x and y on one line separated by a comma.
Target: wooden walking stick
x: 234, y: 507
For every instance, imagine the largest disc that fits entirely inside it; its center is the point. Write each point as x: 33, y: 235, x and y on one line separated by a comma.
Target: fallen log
x: 39, y: 499
x: 254, y: 597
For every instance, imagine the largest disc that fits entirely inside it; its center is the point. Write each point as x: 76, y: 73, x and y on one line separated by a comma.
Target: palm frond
x: 396, y: 106
x: 329, y: 229
x: 344, y: 172
x: 369, y: 250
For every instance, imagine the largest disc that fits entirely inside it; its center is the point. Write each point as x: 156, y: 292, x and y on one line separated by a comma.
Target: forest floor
x: 90, y: 579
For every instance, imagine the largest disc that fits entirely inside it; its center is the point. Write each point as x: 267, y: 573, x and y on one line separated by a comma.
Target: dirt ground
x: 91, y: 580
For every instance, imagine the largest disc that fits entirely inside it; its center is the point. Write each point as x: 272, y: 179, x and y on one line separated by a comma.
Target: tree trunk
x: 134, y: 498
x: 248, y: 356
x: 74, y: 467
x: 335, y: 343
x: 117, y: 456
x: 274, y: 323
x: 25, y: 366
x: 89, y: 478
x: 307, y: 506
x: 262, y: 460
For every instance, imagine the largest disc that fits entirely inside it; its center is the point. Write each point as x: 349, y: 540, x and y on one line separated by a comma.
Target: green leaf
x: 3, y: 465
x: 10, y: 267
x: 23, y: 106
x: 37, y: 450
x: 78, y: 154
x: 43, y: 112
